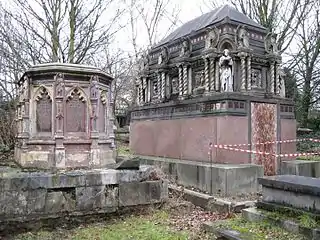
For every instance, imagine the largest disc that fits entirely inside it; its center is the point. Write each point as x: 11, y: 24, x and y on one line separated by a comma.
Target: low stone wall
x: 26, y: 196
x: 222, y: 179
x: 301, y: 168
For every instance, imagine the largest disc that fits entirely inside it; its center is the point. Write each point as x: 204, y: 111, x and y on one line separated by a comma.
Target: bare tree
x: 307, y: 60
x: 65, y: 30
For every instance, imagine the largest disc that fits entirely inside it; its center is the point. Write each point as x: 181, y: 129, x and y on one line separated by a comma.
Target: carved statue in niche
x: 271, y: 45
x: 242, y: 37
x: 144, y: 62
x: 94, y: 87
x: 25, y: 88
x: 256, y: 78
x: 226, y: 71
x: 163, y: 57
x: 282, y: 88
x: 185, y: 48
x: 199, y: 82
x: 175, y: 85
x: 212, y: 38
x: 59, y: 85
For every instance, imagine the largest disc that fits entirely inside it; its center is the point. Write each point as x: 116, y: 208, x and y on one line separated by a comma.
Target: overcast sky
x: 188, y: 11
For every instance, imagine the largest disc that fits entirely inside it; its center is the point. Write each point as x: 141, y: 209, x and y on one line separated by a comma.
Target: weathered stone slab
x: 234, y: 235
x: 13, y: 203
x: 222, y: 179
x: 294, y: 199
x: 301, y: 168
x: 125, y: 164
x: 132, y: 194
x: 292, y: 183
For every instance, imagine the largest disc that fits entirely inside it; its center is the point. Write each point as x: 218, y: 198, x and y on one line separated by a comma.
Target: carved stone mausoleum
x: 216, y: 79
x: 64, y: 117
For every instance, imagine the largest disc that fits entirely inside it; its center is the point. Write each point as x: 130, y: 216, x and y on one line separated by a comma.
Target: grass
x: 309, y: 158
x: 153, y: 227
x: 258, y: 230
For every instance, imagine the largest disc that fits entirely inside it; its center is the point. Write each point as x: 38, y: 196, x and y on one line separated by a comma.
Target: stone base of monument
x: 289, y: 201
x: 222, y: 179
x: 29, y: 196
x: 301, y: 168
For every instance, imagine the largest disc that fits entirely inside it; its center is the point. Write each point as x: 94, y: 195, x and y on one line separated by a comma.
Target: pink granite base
x: 189, y: 138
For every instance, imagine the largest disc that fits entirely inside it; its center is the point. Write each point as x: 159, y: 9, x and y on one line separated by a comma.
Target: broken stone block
x: 140, y: 193
x: 36, y: 201
x: 90, y: 198
x: 59, y: 201
x: 125, y: 164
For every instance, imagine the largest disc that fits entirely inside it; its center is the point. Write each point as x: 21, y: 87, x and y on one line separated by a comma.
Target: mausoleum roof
x: 66, y: 68
x: 215, y: 16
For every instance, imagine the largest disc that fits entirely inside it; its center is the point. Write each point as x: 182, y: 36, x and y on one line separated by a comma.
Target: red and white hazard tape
x: 273, y: 142
x: 265, y: 153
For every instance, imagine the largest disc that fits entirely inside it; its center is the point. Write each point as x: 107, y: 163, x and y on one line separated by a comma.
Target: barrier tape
x: 272, y: 142
x: 265, y: 153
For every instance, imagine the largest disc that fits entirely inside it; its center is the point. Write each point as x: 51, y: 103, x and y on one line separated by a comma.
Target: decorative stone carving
x: 175, y: 85
x: 163, y: 57
x: 212, y: 38
x: 104, y: 97
x: 25, y: 88
x: 242, y: 37
x: 271, y: 45
x: 282, y: 88
x: 78, y: 92
x: 155, y: 88
x: 59, y: 85
x: 185, y: 48
x: 144, y: 62
x: 256, y: 78
x: 226, y: 71
x: 94, y: 87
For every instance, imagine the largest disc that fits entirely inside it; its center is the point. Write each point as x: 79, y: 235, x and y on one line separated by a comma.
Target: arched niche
x: 76, y: 111
x: 43, y: 110
x: 226, y: 43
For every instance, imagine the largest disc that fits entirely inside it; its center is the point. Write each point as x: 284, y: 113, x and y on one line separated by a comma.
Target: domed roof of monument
x: 210, y: 18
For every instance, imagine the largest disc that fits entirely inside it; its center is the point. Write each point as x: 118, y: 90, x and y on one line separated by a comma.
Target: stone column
x: 185, y: 79
x: 159, y: 85
x: 206, y: 74
x: 60, y: 154
x: 25, y: 118
x: 249, y: 73
x: 243, y: 71
x: 217, y: 76
x: 144, y: 89
x: 272, y: 77
x: 190, y: 80
x: 149, y: 90
x: 277, y: 78
x: 212, y: 75
x: 163, y: 85
x: 180, y: 81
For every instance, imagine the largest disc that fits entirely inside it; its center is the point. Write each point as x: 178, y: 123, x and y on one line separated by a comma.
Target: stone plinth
x: 64, y: 117
x: 41, y: 195
x: 184, y: 130
x: 218, y: 179
x: 293, y: 191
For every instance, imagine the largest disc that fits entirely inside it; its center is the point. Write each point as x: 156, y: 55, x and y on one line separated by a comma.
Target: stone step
x: 226, y: 233
x: 254, y: 215
x: 284, y: 209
